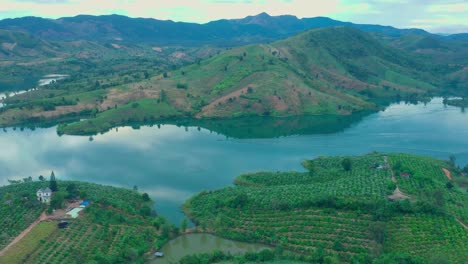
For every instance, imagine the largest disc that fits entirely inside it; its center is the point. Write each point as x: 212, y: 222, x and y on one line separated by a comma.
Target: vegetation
x: 463, y: 102
x: 334, y: 71
x: 346, y: 215
x: 119, y: 226
x: 33, y: 239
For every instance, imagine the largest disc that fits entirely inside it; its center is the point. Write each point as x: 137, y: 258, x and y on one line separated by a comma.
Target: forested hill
x: 337, y: 70
x: 234, y: 32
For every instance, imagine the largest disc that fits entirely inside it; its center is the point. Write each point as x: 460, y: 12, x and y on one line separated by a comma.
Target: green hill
x: 346, y: 208
x: 336, y: 71
x: 324, y: 71
x: 118, y: 226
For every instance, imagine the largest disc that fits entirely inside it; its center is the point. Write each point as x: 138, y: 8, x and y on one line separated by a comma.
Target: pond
x: 171, y: 163
x: 191, y: 244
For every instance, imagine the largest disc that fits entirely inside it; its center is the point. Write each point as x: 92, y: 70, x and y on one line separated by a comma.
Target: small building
x: 44, y: 195
x: 74, y: 213
x: 84, y: 204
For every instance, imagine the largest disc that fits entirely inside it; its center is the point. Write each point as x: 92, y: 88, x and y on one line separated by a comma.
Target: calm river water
x: 172, y: 163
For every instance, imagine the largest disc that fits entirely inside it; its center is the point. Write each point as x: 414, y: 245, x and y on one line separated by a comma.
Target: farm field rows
x: 341, y: 208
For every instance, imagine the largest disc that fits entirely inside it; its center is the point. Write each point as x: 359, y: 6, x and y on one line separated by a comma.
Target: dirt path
x: 41, y: 218
x: 390, y: 168
x: 447, y: 173
x: 461, y: 223
x: 223, y: 99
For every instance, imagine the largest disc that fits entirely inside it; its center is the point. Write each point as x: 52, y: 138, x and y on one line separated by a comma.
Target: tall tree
x: 183, y: 225
x: 346, y: 163
x: 53, y: 182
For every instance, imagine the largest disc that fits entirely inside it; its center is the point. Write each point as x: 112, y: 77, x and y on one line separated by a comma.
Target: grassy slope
x: 343, y: 212
x: 17, y: 212
x: 32, y: 240
x: 116, y: 227
x: 324, y: 71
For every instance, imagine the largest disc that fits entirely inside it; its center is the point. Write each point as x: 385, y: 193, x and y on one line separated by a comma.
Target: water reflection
x: 203, y: 243
x: 172, y: 163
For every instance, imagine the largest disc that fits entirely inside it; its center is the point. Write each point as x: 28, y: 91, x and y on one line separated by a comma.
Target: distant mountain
x: 234, y: 32
x: 20, y: 44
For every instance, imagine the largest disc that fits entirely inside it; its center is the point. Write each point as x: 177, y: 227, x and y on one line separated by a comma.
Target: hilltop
x: 119, y: 225
x: 232, y: 32
x: 375, y: 208
x: 337, y: 71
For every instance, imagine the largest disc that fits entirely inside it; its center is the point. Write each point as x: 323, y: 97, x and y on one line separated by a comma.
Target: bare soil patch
x: 63, y: 110
x: 223, y: 99
x: 447, y: 173
x: 278, y: 103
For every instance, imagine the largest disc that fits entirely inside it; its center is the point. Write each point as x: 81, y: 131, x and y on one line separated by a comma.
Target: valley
x: 263, y: 139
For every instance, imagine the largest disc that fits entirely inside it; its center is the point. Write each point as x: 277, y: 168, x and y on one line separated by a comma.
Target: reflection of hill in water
x: 271, y: 127
x: 247, y: 127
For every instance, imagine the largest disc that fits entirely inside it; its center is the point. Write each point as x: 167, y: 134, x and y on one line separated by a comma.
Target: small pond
x: 191, y: 244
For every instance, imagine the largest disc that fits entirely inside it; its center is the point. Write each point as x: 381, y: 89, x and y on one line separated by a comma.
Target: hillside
x: 346, y: 209
x: 15, y: 44
x: 336, y: 71
x: 118, y: 227
x: 234, y: 32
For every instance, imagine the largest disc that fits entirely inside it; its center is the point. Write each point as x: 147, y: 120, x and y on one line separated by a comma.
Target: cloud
x: 429, y: 14
x: 448, y: 8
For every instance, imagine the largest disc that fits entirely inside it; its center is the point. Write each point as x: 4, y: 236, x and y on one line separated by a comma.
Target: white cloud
x: 398, y: 13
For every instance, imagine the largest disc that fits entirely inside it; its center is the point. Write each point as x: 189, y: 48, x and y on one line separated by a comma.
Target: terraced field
x: 340, y: 209
x: 107, y: 244
x: 436, y: 238
x: 112, y: 229
x: 18, y: 209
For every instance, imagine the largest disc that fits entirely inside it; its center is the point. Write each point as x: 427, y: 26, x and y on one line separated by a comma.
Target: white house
x: 44, y: 195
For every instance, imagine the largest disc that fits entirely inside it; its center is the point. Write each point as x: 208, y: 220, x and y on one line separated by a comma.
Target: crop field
x: 426, y: 179
x: 22, y: 249
x: 85, y: 241
x: 111, y: 229
x: 303, y: 231
x: 425, y: 235
x: 18, y: 209
x: 340, y: 207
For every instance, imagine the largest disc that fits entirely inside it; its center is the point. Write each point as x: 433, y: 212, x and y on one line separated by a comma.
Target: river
x: 172, y: 163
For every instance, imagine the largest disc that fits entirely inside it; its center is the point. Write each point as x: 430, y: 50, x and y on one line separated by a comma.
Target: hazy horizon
x: 436, y: 16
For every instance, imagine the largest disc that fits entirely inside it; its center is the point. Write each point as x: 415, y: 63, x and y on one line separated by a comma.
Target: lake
x: 191, y: 244
x: 172, y: 163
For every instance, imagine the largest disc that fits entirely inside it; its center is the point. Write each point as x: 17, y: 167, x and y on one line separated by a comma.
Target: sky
x: 437, y: 16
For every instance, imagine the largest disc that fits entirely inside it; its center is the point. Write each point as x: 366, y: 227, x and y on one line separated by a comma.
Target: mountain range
x: 123, y: 72
x: 234, y: 32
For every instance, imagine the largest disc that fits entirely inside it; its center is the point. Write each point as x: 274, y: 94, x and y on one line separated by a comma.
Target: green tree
x: 72, y: 190
x: 183, y: 225
x: 145, y: 197
x: 347, y: 164
x: 53, y: 182
x: 57, y: 200
x: 452, y: 159
x: 41, y: 178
